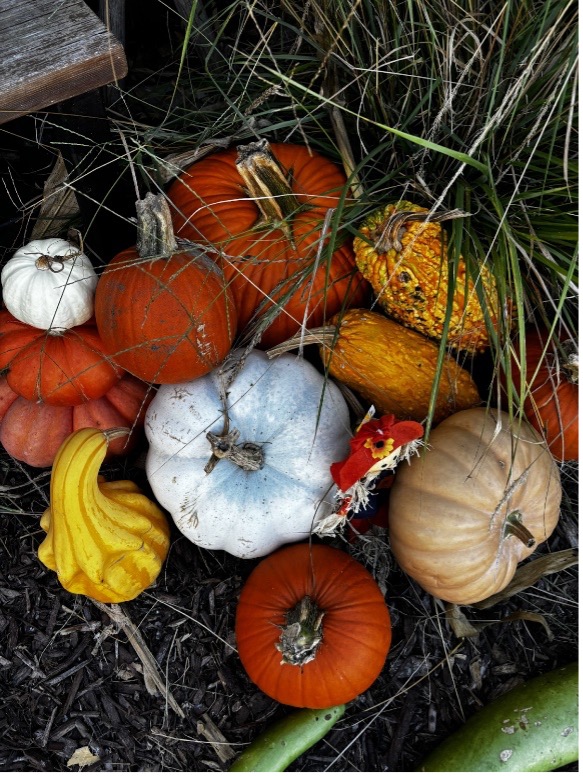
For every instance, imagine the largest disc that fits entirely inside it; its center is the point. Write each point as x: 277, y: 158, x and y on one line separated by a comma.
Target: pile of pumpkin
x: 241, y: 442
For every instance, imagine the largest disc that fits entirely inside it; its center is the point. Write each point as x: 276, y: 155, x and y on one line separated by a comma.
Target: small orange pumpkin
x: 32, y: 432
x: 164, y: 315
x: 312, y: 626
x: 552, y: 404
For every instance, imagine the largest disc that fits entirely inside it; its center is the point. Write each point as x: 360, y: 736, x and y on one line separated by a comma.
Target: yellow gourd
x: 402, y: 251
x: 106, y: 540
x: 389, y: 365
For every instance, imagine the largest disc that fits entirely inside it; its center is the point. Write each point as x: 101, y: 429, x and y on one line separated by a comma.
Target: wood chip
x: 207, y: 728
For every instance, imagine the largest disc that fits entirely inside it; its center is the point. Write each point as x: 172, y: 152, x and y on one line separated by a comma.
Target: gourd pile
x: 180, y: 342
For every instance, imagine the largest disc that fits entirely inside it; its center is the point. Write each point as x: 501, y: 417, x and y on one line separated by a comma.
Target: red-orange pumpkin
x: 263, y: 206
x: 61, y: 368
x: 32, y: 432
x: 552, y: 405
x: 312, y: 627
x: 167, y: 318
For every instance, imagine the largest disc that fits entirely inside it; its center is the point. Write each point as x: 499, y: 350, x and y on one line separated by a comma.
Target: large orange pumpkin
x: 312, y: 626
x: 552, y: 404
x: 165, y: 316
x: 263, y: 207
x: 32, y: 432
x: 58, y: 367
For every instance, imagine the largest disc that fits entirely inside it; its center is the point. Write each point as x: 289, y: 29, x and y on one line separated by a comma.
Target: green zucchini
x: 287, y: 739
x: 531, y: 728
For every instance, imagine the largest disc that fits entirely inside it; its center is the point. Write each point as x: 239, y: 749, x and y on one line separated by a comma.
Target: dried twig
x: 152, y: 677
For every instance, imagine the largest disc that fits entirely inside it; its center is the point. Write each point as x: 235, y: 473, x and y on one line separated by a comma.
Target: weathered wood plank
x: 52, y: 50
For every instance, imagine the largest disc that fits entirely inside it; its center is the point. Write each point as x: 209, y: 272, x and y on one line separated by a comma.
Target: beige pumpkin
x: 473, y: 505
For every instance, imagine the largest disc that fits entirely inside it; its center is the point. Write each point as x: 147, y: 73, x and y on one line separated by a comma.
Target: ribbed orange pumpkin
x: 263, y: 206
x: 165, y: 316
x: 552, y: 405
x: 32, y: 432
x: 61, y: 368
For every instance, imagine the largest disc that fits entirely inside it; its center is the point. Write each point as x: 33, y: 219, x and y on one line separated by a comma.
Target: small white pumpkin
x: 266, y: 485
x: 49, y: 284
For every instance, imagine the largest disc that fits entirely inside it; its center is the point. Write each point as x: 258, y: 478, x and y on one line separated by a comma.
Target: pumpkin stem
x: 267, y: 185
x: 155, y: 233
x: 300, y: 638
x: 391, y: 230
x: 53, y: 263
x: 515, y: 527
x: 248, y: 455
x: 571, y: 367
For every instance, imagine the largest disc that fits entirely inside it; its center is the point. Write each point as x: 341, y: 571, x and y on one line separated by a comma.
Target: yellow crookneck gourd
x: 106, y: 540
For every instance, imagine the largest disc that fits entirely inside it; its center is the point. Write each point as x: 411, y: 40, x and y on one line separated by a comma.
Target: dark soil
x: 71, y: 678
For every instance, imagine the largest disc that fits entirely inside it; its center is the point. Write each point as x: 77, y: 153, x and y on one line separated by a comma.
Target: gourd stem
x: 115, y: 433
x: 389, y: 232
x: 155, y: 237
x: 515, y: 527
x: 321, y: 335
x: 267, y: 184
x: 300, y: 638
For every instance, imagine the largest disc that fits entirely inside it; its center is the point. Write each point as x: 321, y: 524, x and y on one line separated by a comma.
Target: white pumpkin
x: 49, y: 284
x: 292, y: 425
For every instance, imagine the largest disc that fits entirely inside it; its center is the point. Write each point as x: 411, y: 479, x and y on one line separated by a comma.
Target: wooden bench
x: 50, y: 51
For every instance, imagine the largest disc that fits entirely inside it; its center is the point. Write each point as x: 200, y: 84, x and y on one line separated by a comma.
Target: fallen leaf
x: 82, y: 756
x: 530, y: 573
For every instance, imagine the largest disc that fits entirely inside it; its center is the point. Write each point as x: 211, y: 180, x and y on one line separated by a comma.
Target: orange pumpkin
x: 165, y: 316
x: 58, y: 367
x: 32, y: 432
x: 552, y: 404
x: 263, y: 207
x: 312, y: 626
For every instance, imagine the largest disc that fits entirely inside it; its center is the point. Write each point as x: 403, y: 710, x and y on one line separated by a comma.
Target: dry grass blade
x: 152, y: 677
x: 207, y: 728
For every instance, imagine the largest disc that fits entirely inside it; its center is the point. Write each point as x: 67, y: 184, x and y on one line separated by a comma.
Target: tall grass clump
x: 451, y: 105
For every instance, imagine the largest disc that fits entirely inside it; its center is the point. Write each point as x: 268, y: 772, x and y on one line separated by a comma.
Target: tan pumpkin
x: 401, y: 250
x: 473, y: 505
x: 389, y: 365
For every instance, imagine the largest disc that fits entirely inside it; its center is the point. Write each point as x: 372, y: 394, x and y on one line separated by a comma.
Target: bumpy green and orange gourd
x: 401, y: 249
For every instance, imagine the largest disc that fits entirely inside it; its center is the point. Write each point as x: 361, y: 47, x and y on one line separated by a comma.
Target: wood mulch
x: 77, y: 686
